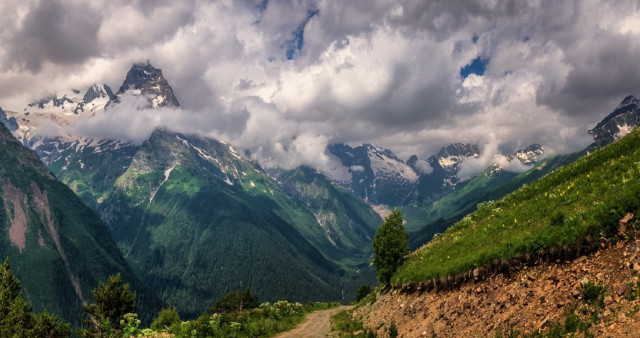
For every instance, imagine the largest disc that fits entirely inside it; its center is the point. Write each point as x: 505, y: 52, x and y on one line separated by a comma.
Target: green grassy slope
x: 581, y: 199
x: 462, y: 201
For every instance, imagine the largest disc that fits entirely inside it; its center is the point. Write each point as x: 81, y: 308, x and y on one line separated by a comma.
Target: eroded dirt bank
x: 529, y: 300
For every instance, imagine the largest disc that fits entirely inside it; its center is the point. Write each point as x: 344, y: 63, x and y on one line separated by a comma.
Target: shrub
x: 593, y: 293
x: 393, y: 330
x: 363, y: 292
x: 235, y: 301
x: 166, y: 318
x: 557, y: 219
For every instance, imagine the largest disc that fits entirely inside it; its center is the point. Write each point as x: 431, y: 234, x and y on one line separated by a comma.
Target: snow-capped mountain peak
x: 530, y: 154
x: 385, y: 163
x: 374, y: 173
x: 620, y: 122
x: 450, y: 157
x: 95, y: 99
x: 146, y: 80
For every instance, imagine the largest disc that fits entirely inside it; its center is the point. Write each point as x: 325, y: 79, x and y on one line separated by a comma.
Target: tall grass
x: 585, y: 198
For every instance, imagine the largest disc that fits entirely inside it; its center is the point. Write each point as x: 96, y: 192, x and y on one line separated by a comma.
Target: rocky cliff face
x: 375, y: 174
x: 619, y: 123
x: 146, y: 80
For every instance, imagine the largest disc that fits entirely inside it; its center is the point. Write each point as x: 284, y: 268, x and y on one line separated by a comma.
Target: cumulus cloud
x: 424, y: 167
x: 490, y: 156
x: 283, y: 79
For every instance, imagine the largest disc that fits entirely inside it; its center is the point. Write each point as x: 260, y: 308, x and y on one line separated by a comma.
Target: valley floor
x: 545, y: 298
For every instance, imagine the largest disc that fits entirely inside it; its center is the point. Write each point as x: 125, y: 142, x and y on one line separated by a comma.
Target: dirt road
x: 317, y: 325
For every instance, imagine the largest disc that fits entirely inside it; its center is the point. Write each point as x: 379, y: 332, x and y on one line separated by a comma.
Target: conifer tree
x: 390, y: 245
x: 113, y: 301
x: 16, y: 317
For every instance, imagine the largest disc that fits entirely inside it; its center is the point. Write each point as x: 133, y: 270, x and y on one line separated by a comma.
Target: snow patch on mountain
x: 385, y: 166
x: 168, y: 172
x: 373, y: 173
x: 623, y: 130
x: 451, y: 161
x: 618, y: 123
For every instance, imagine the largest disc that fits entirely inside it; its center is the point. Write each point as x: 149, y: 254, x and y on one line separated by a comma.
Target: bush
x: 166, y: 318
x: 235, y: 301
x: 363, y: 292
x: 593, y: 293
x: 393, y: 330
x: 557, y: 219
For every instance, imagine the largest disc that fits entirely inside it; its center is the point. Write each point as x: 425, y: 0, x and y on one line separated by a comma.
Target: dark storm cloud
x: 601, y: 72
x: 56, y: 32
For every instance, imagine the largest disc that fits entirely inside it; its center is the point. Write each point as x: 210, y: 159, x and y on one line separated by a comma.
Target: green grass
x: 424, y: 222
x: 585, y: 198
x: 264, y: 321
x: 345, y: 326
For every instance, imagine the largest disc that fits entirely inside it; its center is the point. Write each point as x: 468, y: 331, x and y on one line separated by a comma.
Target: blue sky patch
x: 294, y: 45
x: 477, y: 66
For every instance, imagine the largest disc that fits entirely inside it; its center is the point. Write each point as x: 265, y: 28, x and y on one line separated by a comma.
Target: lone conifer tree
x: 390, y: 245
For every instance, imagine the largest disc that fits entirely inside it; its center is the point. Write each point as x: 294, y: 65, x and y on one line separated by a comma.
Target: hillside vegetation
x: 58, y: 246
x: 490, y: 185
x: 196, y: 221
x: 584, y: 199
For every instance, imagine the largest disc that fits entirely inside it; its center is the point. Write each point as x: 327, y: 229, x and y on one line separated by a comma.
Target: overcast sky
x: 285, y: 78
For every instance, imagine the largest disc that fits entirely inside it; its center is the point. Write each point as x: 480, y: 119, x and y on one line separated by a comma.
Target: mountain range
x: 195, y: 219
x: 54, y: 241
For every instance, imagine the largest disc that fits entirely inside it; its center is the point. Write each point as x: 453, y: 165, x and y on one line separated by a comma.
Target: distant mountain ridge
x: 196, y: 221
x: 375, y: 174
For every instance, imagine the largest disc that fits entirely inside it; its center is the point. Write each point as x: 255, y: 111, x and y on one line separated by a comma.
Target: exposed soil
x: 14, y: 200
x: 41, y: 201
x: 528, y: 300
x: 317, y: 324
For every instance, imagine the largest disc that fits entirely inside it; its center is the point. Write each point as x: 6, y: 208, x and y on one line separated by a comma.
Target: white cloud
x: 424, y: 167
x: 381, y: 72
